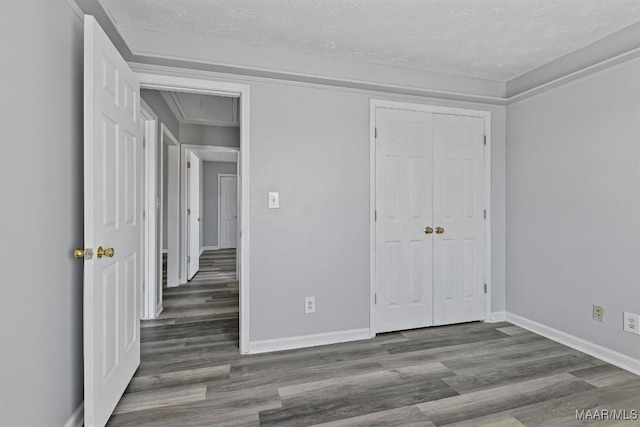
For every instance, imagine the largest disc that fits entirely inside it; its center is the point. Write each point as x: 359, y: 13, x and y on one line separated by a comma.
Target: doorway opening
x: 197, y: 206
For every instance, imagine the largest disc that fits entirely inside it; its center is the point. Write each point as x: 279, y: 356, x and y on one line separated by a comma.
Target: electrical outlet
x: 598, y: 313
x: 309, y: 305
x: 631, y: 323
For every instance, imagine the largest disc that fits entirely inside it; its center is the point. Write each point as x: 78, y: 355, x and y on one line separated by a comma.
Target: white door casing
x: 193, y: 214
x: 173, y: 217
x: 228, y: 205
x: 403, y: 209
x: 112, y: 219
x: 458, y: 207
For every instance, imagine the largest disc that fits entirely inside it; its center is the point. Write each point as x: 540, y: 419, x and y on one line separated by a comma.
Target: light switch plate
x: 274, y: 200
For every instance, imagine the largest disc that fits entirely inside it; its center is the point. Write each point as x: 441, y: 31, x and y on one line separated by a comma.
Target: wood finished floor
x: 474, y: 374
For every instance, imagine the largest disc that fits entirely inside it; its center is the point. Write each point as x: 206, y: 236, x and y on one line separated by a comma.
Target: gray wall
x: 159, y: 106
x: 210, y: 135
x: 211, y: 172
x: 162, y: 110
x: 573, y: 203
x: 316, y: 154
x: 41, y: 221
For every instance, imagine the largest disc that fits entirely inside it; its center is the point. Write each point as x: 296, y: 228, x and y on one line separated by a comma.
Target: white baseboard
x: 308, y: 341
x: 613, y: 357
x: 497, y: 316
x: 211, y: 248
x: 77, y: 418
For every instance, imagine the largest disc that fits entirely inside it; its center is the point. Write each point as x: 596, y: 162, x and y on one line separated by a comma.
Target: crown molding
x: 197, y: 71
x: 618, y: 47
x: 583, y: 74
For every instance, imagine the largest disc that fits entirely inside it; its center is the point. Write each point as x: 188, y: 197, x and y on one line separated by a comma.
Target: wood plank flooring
x: 474, y: 374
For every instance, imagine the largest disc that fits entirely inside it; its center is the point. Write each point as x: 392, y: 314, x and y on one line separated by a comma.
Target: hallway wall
x: 41, y: 221
x: 211, y: 172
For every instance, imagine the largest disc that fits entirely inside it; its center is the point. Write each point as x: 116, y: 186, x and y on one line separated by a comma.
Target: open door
x: 228, y: 211
x: 112, y: 225
x: 194, y: 217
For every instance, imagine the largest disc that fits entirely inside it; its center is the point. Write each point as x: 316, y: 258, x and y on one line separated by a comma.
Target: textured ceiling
x: 490, y: 39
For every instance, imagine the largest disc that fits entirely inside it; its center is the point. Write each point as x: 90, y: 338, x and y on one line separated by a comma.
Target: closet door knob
x: 439, y: 230
x: 428, y: 230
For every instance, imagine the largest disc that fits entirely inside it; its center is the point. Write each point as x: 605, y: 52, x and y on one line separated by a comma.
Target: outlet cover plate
x: 631, y: 323
x: 598, y: 313
x: 309, y: 305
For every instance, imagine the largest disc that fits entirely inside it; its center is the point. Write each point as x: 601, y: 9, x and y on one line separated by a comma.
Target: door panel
x: 403, y: 205
x: 228, y: 211
x: 194, y: 215
x: 458, y: 207
x: 112, y: 219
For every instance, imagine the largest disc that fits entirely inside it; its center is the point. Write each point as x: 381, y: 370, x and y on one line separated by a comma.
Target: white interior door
x: 228, y: 211
x: 458, y: 208
x: 403, y: 209
x: 112, y: 220
x: 193, y: 215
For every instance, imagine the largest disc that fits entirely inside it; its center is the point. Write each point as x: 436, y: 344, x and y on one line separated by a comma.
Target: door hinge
x: 375, y: 215
x: 144, y: 142
x: 375, y: 132
x: 375, y: 298
x: 144, y: 214
x: 188, y: 211
x: 188, y: 259
x: 188, y: 165
x: 485, y: 214
x: 485, y: 140
x: 485, y: 288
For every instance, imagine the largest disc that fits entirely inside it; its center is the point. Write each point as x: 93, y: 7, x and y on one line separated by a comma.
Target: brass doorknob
x: 105, y: 252
x: 428, y: 230
x: 78, y: 253
x: 439, y: 230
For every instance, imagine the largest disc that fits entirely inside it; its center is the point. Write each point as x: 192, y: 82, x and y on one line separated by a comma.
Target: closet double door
x: 430, y: 213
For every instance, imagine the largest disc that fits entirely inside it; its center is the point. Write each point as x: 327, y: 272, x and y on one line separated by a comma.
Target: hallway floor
x: 474, y: 374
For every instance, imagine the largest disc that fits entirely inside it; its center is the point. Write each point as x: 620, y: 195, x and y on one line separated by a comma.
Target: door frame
x: 185, y: 149
x: 185, y: 205
x: 173, y: 226
x: 150, y: 216
x: 220, y: 175
x: 164, y: 79
x: 394, y: 105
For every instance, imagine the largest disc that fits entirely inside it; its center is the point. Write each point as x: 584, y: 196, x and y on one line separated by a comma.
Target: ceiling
x: 489, y: 39
x: 206, y: 110
x: 216, y: 156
